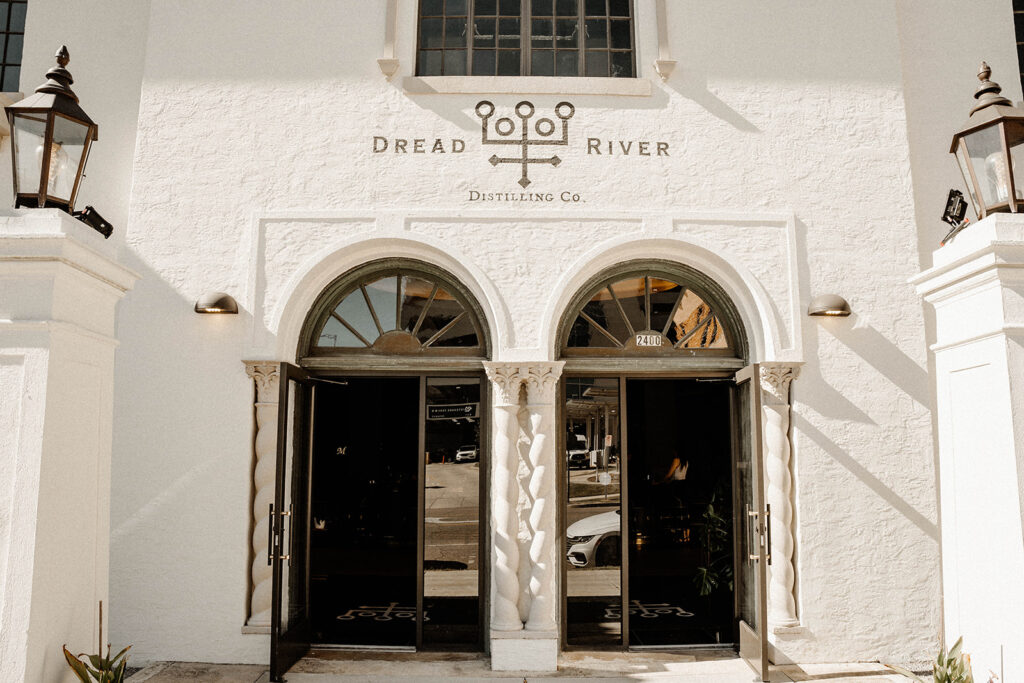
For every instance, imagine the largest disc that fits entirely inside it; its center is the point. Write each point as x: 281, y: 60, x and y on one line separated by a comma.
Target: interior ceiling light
x: 829, y: 304
x: 216, y: 302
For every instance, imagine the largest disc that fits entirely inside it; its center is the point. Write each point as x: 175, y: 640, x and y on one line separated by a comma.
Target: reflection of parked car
x: 467, y: 454
x: 594, y: 540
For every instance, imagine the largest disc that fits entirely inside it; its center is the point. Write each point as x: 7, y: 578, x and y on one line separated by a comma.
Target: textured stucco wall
x: 253, y: 172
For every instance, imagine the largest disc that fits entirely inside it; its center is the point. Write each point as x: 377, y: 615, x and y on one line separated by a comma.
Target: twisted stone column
x: 265, y: 377
x: 507, y: 382
x: 541, y: 380
x: 525, y: 534
x: 775, y: 382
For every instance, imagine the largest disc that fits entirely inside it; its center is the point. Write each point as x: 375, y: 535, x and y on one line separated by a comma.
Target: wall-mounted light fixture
x: 829, y: 304
x: 51, y: 136
x: 990, y: 150
x: 216, y: 302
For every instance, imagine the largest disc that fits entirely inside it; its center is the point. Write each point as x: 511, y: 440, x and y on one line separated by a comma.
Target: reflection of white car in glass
x: 577, y: 454
x: 594, y: 540
x: 466, y: 454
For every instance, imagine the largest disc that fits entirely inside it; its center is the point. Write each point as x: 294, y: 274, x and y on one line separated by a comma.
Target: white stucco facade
x: 796, y: 149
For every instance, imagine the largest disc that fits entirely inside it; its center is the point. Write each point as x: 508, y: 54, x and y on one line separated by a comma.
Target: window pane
x: 543, y: 63
x: 566, y: 31
x: 483, y: 62
x: 596, y: 33
x: 415, y: 294
x: 3, y: 15
x: 620, y: 35
x: 508, y: 62
x: 336, y: 335
x: 542, y: 8
x: 567, y: 8
x: 455, y: 33
x: 353, y: 309
x: 12, y: 75
x: 583, y: 334
x: 597, y: 63
x: 483, y: 34
x: 430, y: 62
x: 567, y: 63
x: 663, y: 297
x: 542, y: 33
x: 508, y: 33
x: 596, y: 8
x: 18, y: 16
x: 14, y: 42
x: 455, y: 62
x: 382, y: 296
x: 485, y: 7
x: 618, y: 8
x: 430, y: 33
x: 461, y: 334
x: 631, y: 295
x: 455, y: 7
x: 431, y: 7
x: 511, y: 8
x: 622, y: 64
x: 605, y: 313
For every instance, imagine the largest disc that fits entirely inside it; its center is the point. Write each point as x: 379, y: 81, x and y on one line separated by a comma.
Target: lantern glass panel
x: 962, y: 161
x: 1015, y: 140
x: 986, y: 149
x: 69, y: 141
x: 29, y: 135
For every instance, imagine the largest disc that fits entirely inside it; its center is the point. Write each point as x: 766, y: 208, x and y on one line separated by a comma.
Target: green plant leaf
x: 954, y: 654
x: 97, y: 662
x: 120, y: 654
x: 77, y: 666
x: 906, y: 672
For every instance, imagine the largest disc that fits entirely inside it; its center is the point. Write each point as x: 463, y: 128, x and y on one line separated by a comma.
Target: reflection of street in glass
x: 451, y: 521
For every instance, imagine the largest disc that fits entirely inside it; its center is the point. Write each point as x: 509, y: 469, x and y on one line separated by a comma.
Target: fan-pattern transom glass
x: 648, y: 314
x: 399, y: 313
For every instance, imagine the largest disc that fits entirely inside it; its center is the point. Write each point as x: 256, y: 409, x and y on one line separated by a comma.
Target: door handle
x: 275, y: 540
x: 753, y: 534
x: 768, y: 526
x: 270, y: 536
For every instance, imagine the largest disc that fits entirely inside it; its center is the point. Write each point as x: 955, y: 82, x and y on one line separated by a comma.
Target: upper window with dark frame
x: 526, y: 38
x: 12, y: 22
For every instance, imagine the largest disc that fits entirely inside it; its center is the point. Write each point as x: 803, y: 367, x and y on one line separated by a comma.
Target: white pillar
x: 775, y: 382
x: 541, y: 381
x: 59, y: 288
x: 977, y: 289
x: 265, y: 376
x: 507, y: 383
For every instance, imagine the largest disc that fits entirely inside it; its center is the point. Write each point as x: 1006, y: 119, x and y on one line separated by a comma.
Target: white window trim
x: 400, y: 58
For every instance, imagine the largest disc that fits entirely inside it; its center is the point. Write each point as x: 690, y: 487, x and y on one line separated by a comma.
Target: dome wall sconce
x: 829, y: 304
x: 216, y: 302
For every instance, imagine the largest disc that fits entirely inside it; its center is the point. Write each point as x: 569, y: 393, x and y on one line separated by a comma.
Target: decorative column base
x: 524, y: 650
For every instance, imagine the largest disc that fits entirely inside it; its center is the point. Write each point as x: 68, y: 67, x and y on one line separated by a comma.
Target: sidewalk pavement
x: 346, y: 666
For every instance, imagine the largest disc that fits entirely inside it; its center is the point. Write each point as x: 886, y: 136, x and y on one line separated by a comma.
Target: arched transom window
x: 395, y: 311
x: 649, y: 313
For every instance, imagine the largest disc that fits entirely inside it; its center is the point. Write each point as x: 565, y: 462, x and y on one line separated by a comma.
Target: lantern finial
x: 987, y: 93
x: 58, y: 79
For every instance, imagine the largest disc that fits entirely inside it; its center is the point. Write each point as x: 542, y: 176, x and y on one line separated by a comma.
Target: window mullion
x: 580, y: 57
x: 470, y: 30
x: 526, y: 37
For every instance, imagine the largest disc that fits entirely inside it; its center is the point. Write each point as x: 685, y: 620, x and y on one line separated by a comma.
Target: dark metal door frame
x: 623, y: 482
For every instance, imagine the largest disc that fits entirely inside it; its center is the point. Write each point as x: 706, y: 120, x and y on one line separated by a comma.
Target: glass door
x: 751, y: 516
x: 453, y: 475
x: 288, y: 525
x: 593, y: 512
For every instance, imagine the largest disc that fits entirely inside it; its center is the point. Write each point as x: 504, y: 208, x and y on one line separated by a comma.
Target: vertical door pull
x: 271, y: 550
x: 768, y: 526
x: 753, y: 534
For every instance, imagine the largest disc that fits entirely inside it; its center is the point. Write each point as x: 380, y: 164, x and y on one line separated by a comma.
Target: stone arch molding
x: 322, y: 268
x: 758, y: 313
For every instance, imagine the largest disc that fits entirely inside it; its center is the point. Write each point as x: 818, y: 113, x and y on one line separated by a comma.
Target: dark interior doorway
x: 680, y: 512
x: 395, y: 515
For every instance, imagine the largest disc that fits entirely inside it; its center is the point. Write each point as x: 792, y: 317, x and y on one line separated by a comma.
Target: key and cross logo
x: 507, y: 132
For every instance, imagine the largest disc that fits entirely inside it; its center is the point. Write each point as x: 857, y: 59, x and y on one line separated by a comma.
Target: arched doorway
x: 381, y: 470
x: 657, y: 462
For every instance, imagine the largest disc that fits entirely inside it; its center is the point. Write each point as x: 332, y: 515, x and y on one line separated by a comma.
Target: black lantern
x: 990, y: 150
x: 50, y: 136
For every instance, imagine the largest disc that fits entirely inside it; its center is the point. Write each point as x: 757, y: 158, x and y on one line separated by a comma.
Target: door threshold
x: 363, y: 648
x: 707, y: 646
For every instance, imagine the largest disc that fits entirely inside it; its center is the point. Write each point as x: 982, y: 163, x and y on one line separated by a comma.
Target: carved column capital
x: 265, y: 375
x: 507, y: 381
x: 775, y: 381
x: 541, y: 380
